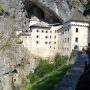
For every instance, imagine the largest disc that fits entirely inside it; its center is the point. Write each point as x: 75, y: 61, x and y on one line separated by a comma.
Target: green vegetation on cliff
x: 46, y: 75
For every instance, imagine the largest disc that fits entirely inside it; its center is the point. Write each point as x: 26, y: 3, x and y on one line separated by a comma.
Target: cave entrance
x: 33, y: 10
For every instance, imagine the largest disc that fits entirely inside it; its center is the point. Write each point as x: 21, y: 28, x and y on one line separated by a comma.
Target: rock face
x: 61, y: 8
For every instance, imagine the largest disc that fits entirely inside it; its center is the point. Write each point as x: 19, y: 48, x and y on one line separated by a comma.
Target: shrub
x: 43, y: 68
x: 32, y: 77
x: 50, y: 81
x: 60, y: 60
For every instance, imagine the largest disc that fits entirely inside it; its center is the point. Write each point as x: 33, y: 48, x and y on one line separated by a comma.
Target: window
x: 50, y: 31
x: 50, y: 37
x: 46, y: 31
x: 49, y: 42
x: 68, y: 29
x: 50, y: 46
x: 55, y: 37
x: 46, y: 42
x: 37, y: 42
x: 76, y: 47
x: 14, y: 80
x: 55, y: 31
x: 68, y: 40
x: 37, y: 30
x: 26, y: 30
x: 76, y: 29
x: 76, y: 39
x: 46, y: 36
x: 42, y: 31
x: 65, y: 40
x: 54, y: 42
x: 37, y: 36
x: 67, y: 49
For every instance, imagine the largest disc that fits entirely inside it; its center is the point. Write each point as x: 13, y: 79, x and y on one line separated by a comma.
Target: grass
x: 49, y: 81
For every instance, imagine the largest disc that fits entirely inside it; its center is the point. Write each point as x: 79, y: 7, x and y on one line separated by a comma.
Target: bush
x: 43, y: 68
x: 32, y: 77
x: 60, y: 60
x: 50, y: 81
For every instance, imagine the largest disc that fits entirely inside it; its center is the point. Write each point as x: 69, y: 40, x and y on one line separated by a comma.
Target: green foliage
x: 50, y: 81
x: 88, y: 2
x: 73, y: 3
x: 60, y: 60
x: 1, y: 10
x: 43, y: 68
x: 32, y: 77
x: 48, y: 74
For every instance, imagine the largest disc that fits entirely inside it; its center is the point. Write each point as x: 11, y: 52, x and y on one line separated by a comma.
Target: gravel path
x: 71, y: 78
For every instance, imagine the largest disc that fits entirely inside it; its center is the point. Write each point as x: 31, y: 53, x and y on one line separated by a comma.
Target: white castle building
x: 45, y: 40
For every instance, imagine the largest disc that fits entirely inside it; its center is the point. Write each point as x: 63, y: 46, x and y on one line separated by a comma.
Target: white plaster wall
x: 82, y: 35
x: 89, y: 36
x: 42, y: 49
x: 65, y: 46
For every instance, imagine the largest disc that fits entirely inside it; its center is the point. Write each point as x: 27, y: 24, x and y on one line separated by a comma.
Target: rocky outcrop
x: 60, y: 8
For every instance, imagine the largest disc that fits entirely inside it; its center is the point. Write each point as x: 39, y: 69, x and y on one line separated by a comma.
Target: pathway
x: 71, y: 78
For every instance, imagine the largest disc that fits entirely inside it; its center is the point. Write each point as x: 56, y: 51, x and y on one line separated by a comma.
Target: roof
x: 41, y: 24
x: 34, y: 18
x: 78, y: 16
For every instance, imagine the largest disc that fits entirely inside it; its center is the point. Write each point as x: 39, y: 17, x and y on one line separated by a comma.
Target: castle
x: 45, y: 40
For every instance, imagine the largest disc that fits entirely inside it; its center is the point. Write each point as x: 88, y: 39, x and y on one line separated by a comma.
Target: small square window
x: 55, y: 31
x: 50, y: 37
x: 55, y: 37
x: 76, y: 39
x: 46, y: 42
x: 46, y: 36
x: 37, y: 42
x: 76, y: 29
x: 37, y: 30
x: 50, y: 31
x: 46, y: 31
x: 42, y: 31
x: 37, y: 36
x: 54, y: 42
x: 49, y: 42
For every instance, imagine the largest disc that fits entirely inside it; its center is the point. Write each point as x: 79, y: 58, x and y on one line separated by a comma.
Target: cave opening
x: 33, y: 10
x: 42, y: 13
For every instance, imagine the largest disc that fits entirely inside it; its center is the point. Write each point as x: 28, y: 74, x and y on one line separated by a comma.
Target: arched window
x: 76, y: 47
